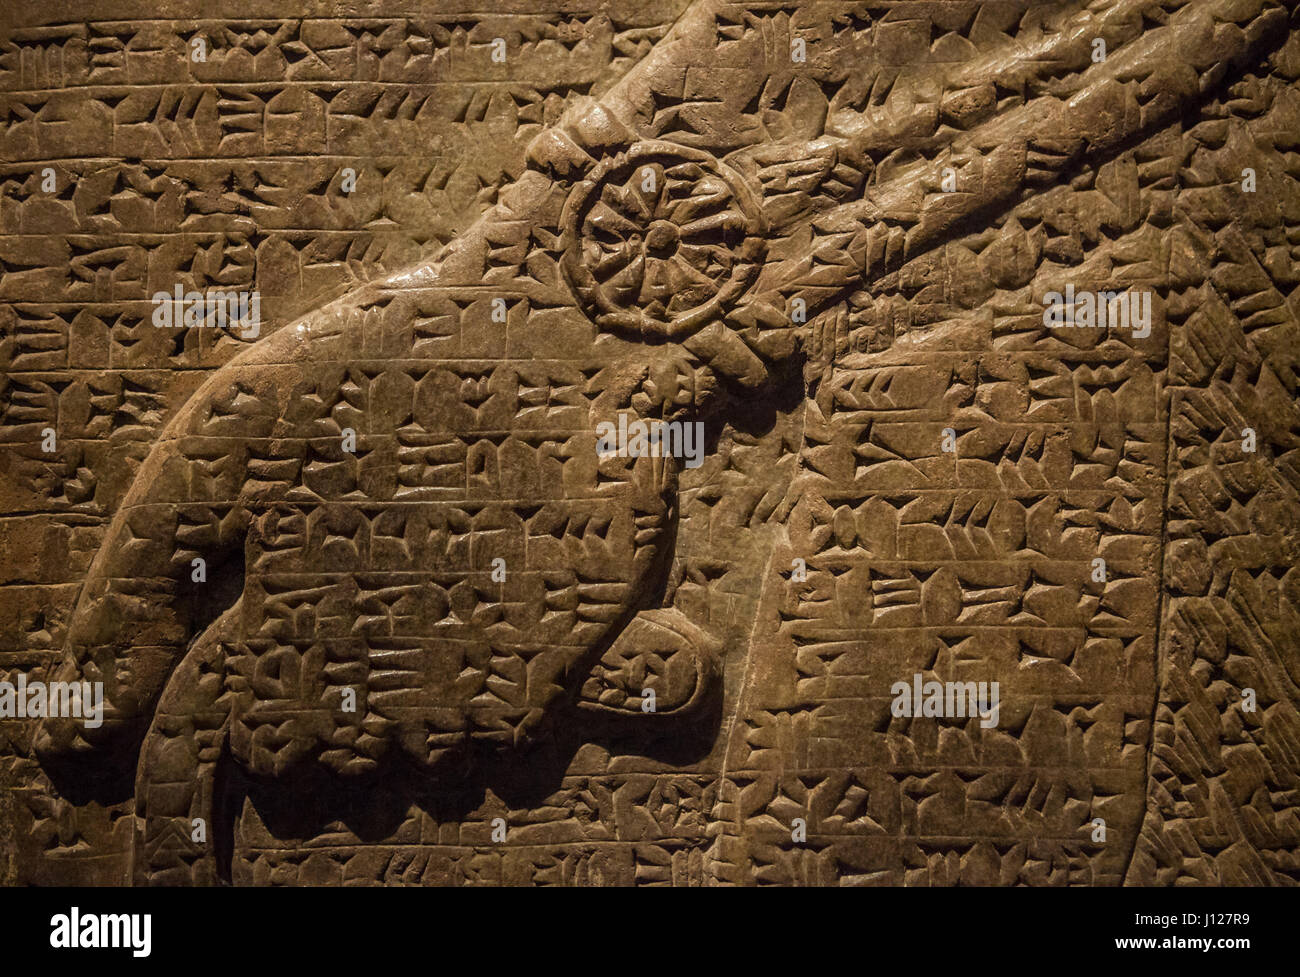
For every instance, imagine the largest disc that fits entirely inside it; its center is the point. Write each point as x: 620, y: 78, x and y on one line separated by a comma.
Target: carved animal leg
x: 659, y: 650
x: 137, y: 605
x: 176, y: 784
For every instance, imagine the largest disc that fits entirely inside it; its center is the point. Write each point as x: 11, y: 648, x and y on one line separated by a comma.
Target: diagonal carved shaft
x: 1130, y: 94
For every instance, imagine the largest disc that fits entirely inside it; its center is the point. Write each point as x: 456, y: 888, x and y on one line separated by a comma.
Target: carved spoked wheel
x: 661, y: 240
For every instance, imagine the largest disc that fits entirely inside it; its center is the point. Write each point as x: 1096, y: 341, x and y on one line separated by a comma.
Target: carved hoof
x: 660, y: 650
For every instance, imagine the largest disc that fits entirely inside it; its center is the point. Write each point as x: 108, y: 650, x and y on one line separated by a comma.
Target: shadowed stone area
x: 618, y: 443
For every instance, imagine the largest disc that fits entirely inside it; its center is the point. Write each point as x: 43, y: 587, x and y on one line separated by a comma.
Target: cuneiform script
x: 830, y: 443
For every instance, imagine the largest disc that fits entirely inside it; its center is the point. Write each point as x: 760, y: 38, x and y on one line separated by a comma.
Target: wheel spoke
x: 691, y: 273
x: 726, y: 221
x: 627, y: 201
x: 631, y: 277
x: 613, y: 262
x: 606, y: 219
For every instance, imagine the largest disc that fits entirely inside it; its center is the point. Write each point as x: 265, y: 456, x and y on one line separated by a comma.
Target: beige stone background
x: 1120, y: 701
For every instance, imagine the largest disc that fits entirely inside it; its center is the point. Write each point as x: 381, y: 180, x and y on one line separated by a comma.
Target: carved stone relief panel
x: 700, y: 444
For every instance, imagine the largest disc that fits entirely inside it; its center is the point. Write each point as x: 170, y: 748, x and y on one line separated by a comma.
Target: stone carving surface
x: 686, y: 443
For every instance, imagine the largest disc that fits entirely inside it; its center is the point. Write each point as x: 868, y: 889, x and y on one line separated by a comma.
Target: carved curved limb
x: 177, y: 786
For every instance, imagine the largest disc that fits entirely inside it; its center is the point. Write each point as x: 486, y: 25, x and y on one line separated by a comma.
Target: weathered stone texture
x: 429, y: 604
